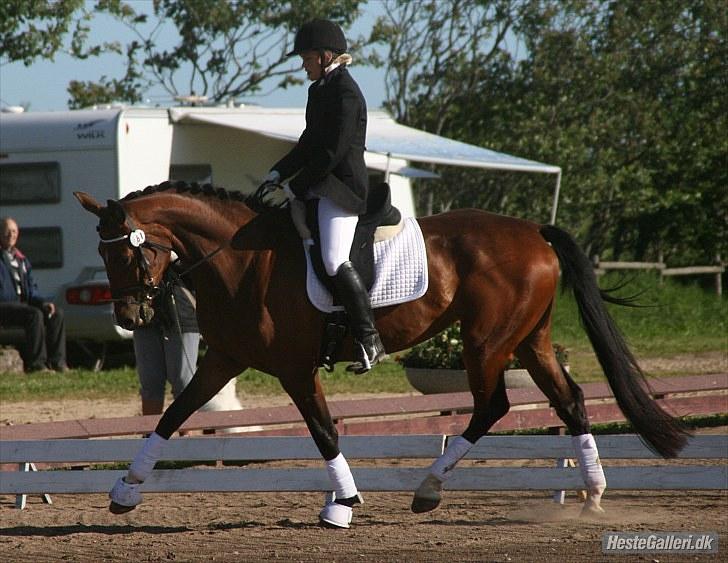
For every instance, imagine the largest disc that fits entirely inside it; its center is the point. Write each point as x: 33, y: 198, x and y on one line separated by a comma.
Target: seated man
x: 21, y: 306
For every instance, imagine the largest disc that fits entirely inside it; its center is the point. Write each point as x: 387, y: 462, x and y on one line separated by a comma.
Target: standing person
x: 22, y: 306
x: 166, y: 350
x: 328, y: 164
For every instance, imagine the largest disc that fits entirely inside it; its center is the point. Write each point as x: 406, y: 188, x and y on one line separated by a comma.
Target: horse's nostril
x: 128, y: 324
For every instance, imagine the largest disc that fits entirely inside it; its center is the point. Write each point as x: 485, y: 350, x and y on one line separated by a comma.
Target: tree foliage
x: 626, y: 96
x: 33, y: 29
x: 220, y: 49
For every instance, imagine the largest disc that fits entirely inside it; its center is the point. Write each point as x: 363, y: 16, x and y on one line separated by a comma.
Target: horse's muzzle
x: 133, y: 315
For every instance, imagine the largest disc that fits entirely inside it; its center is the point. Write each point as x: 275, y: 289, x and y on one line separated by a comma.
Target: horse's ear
x: 116, y: 211
x: 89, y: 203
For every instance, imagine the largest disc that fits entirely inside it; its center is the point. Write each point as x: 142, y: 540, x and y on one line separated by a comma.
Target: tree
x: 222, y: 49
x: 438, y: 53
x: 626, y: 96
x: 32, y: 29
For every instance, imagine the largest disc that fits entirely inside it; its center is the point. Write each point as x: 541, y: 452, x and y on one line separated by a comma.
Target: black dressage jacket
x: 329, y: 156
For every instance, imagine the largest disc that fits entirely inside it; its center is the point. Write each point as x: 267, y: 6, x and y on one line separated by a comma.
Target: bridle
x: 142, y: 293
x: 147, y: 290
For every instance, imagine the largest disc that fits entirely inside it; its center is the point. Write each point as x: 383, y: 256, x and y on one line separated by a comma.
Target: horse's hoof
x: 592, y: 511
x: 428, y: 495
x: 421, y: 504
x: 116, y: 508
x: 335, y: 515
x: 124, y: 496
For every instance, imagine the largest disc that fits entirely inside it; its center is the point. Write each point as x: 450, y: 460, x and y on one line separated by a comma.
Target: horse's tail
x: 661, y: 432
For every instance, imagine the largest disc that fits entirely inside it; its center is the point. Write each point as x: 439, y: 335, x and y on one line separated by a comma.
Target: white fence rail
x: 657, y: 475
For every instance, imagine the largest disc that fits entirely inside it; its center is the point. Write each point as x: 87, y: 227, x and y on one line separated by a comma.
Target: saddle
x: 380, y: 221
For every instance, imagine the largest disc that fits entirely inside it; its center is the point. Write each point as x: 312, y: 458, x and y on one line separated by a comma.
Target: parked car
x: 91, y: 330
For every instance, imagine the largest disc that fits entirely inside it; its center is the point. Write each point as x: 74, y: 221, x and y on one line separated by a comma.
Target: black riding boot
x: 368, y: 347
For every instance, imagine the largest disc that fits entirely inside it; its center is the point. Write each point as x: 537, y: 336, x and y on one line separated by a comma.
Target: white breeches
x: 336, y: 228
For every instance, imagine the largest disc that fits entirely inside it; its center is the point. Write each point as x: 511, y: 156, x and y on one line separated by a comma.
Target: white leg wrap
x: 456, y: 450
x: 341, y: 477
x: 590, y: 466
x: 143, y: 463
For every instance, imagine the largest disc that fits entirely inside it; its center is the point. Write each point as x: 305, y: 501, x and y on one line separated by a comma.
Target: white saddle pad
x: 400, y: 265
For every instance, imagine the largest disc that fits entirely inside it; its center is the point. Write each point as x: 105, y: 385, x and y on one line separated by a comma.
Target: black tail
x: 661, y: 432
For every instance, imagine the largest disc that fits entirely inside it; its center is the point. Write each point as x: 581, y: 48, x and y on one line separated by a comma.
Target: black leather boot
x: 368, y: 347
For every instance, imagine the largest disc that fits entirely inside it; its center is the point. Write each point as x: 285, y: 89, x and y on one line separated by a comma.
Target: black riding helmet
x: 318, y: 35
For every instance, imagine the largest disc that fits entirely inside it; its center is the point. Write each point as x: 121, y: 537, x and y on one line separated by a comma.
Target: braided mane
x: 194, y: 188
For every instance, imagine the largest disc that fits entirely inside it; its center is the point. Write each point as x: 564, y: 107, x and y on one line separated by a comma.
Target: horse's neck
x: 202, y: 224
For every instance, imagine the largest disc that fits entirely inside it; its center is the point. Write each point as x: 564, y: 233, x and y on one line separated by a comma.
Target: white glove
x: 276, y: 196
x: 273, y: 177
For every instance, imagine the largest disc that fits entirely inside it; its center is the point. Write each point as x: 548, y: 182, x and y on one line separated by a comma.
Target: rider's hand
x: 276, y: 195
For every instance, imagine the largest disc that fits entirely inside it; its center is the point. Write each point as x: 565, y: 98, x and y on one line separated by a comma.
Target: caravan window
x: 30, y: 182
x: 200, y: 173
x: 44, y: 246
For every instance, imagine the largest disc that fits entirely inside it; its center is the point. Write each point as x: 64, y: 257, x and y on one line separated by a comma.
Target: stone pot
x: 429, y: 381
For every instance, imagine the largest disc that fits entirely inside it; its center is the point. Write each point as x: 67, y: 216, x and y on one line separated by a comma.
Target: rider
x: 328, y: 164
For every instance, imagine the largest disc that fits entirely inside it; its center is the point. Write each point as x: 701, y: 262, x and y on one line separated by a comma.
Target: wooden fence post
x: 718, y: 277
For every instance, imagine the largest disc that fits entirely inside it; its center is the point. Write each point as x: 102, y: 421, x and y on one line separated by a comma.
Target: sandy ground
x: 277, y: 527
x: 477, y: 526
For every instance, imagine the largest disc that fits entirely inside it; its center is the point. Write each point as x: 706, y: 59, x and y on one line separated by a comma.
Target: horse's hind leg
x: 214, y: 372
x: 490, y: 404
x: 537, y: 355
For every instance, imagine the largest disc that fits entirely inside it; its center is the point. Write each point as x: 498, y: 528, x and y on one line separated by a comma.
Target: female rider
x: 327, y: 164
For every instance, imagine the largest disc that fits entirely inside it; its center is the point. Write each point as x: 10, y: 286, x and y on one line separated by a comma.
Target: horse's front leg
x: 309, y: 398
x: 214, y: 372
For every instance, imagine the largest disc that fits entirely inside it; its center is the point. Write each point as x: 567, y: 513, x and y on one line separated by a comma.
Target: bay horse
x: 497, y: 275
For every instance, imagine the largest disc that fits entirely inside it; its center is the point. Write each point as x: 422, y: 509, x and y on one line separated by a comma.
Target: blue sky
x: 43, y: 84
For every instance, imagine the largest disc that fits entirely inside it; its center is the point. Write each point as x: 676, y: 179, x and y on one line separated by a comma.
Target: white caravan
x: 44, y: 157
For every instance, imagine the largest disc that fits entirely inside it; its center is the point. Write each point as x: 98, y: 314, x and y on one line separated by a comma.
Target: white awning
x: 384, y: 137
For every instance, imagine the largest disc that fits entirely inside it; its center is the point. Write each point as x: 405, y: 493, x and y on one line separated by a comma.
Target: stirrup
x: 368, y: 353
x: 334, y: 334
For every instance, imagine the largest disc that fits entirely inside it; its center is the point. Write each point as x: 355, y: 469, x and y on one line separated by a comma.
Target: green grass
x: 79, y: 384
x: 674, y: 318
x: 678, y: 319
x: 389, y: 377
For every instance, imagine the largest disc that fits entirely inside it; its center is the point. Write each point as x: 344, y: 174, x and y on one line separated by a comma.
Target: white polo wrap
x: 143, y: 463
x: 591, y: 468
x: 341, y: 477
x: 456, y: 450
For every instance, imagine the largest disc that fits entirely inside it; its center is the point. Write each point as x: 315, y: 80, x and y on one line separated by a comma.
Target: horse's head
x: 135, y: 263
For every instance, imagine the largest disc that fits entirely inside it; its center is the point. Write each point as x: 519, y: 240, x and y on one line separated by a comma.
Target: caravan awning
x: 384, y: 137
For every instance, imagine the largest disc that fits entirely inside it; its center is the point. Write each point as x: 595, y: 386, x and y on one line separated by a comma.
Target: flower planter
x: 429, y: 381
